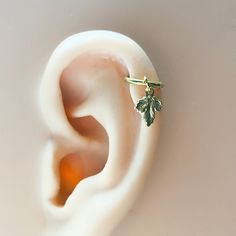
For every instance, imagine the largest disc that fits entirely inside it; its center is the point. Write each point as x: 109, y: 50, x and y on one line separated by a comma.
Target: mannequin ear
x: 100, y: 149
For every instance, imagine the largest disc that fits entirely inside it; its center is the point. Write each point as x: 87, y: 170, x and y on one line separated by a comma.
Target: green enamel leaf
x: 149, y: 114
x: 147, y: 117
x: 148, y: 105
x: 157, y: 104
x: 142, y: 104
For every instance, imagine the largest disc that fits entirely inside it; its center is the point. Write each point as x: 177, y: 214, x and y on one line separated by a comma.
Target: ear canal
x: 71, y: 172
x: 76, y: 166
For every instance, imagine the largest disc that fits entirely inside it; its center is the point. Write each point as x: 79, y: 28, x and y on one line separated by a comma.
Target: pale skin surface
x: 89, y: 108
x: 190, y: 190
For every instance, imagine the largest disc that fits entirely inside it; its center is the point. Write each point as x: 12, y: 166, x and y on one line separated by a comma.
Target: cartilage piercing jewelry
x: 149, y: 104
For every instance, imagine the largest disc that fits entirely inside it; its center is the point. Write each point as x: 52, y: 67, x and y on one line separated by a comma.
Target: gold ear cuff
x: 149, y: 104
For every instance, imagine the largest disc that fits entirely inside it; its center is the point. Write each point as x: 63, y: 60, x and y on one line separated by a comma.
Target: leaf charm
x: 148, y: 105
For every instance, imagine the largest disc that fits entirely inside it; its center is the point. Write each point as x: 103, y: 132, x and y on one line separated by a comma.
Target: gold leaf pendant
x: 149, y: 104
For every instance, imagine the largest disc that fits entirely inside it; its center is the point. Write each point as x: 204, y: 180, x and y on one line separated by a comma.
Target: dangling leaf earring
x: 149, y: 104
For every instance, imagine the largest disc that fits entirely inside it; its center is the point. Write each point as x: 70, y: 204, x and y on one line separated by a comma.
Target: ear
x: 100, y: 149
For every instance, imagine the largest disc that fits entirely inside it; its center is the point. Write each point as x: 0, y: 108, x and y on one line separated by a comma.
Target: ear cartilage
x: 149, y: 104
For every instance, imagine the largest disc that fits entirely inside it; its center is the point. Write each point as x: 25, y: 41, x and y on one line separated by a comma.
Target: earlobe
x: 100, y: 149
